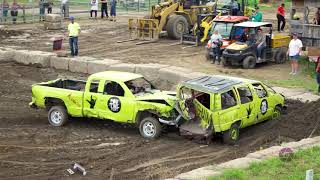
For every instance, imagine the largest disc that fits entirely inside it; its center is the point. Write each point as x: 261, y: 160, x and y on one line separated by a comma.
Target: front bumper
x: 234, y: 56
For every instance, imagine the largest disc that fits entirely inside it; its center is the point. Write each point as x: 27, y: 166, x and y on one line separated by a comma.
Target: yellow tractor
x: 174, y: 17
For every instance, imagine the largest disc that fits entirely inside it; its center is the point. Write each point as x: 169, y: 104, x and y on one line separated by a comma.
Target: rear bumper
x: 33, y: 105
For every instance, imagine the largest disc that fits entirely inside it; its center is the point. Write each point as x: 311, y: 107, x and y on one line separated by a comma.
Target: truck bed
x: 67, y: 84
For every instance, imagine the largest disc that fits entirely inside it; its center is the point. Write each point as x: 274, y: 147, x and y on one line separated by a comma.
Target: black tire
x: 249, y: 62
x: 280, y: 57
x: 277, y: 112
x: 57, y: 115
x: 150, y: 128
x: 231, y: 136
x: 176, y: 26
x: 225, y: 62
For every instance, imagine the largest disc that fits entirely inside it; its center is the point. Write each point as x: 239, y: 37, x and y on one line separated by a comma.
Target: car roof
x: 253, y: 24
x: 116, y: 76
x: 230, y: 18
x: 215, y: 83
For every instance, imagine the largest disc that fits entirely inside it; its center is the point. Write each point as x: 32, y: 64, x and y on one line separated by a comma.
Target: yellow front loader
x: 174, y: 17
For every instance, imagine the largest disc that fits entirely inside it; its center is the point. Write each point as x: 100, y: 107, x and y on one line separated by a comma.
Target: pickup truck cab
x: 222, y: 105
x: 118, y: 96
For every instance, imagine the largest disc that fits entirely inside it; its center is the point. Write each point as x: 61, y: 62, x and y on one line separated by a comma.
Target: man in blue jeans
x: 261, y: 43
x: 73, y: 32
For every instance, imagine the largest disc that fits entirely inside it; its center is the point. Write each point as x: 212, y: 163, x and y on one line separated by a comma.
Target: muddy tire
x: 57, y: 116
x: 280, y: 57
x: 150, y: 128
x: 231, y: 136
x: 176, y: 26
x: 249, y: 62
x: 277, y: 112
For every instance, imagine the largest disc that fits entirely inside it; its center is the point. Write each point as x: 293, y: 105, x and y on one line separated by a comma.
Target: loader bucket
x: 144, y: 29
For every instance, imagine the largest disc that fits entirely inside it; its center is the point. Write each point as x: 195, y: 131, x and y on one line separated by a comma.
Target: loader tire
x: 280, y: 57
x: 176, y: 26
x: 57, y: 115
x: 249, y: 62
x: 150, y: 128
x: 231, y: 136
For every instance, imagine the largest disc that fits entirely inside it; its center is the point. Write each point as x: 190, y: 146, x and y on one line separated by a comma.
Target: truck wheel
x: 150, y: 128
x: 277, y: 112
x: 249, y: 62
x: 176, y: 26
x: 225, y: 62
x: 231, y: 136
x: 280, y: 57
x: 57, y: 115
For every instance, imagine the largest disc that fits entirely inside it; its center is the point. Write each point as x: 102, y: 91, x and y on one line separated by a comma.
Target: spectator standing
x: 73, y: 32
x: 5, y: 8
x: 42, y: 9
x: 14, y: 11
x: 94, y: 8
x: 257, y: 17
x: 318, y: 73
x: 65, y: 8
x: 261, y: 43
x: 104, y: 9
x: 113, y: 5
x: 50, y: 4
x: 216, y: 41
x: 295, y: 48
x: 234, y: 7
x: 281, y: 17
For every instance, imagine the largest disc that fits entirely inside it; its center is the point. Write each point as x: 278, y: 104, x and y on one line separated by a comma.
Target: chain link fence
x: 28, y: 11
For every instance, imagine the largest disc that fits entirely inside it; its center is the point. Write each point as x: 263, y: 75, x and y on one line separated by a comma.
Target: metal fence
x: 29, y: 11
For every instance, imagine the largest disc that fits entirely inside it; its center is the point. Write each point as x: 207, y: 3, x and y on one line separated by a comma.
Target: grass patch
x: 305, y: 79
x: 274, y: 168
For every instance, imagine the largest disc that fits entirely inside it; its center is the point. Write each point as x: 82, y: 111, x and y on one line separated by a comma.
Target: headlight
x: 240, y: 52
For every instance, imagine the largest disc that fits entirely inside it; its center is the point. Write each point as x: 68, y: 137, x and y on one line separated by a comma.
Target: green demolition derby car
x: 203, y: 106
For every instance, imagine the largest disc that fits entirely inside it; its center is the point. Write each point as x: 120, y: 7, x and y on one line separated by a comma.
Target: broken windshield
x: 140, y: 85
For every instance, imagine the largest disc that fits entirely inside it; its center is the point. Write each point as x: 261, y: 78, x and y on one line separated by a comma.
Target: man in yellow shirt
x: 73, y: 32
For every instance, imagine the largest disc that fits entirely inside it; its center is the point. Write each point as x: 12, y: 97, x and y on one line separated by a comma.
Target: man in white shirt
x: 294, y: 50
x: 65, y: 8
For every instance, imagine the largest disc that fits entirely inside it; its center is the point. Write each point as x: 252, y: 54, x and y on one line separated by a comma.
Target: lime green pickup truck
x: 118, y: 96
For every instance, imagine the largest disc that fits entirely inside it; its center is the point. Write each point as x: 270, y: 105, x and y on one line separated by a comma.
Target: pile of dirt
x: 8, y: 33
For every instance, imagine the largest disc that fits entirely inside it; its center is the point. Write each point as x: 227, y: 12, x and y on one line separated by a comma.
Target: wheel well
x: 238, y: 122
x: 49, y: 102
x: 143, y: 114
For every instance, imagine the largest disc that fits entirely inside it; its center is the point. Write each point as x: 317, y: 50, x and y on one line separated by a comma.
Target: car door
x: 116, y: 102
x: 90, y: 98
x: 247, y: 111
x: 229, y: 108
x: 262, y: 101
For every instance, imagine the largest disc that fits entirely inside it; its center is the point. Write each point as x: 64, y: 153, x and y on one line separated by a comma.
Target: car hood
x: 157, y: 96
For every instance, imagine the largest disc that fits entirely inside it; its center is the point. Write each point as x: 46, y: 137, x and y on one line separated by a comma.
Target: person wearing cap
x: 294, y: 50
x: 73, y: 32
x: 257, y: 17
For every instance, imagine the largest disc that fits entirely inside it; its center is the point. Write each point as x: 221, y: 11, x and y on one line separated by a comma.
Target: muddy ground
x: 32, y: 149
x: 99, y: 39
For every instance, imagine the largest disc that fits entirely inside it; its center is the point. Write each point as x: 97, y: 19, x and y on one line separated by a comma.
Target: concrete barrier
x: 101, y: 65
x: 174, y: 74
x: 60, y: 62
x: 126, y: 67
x: 6, y: 56
x: 53, y: 17
x: 150, y: 71
x: 80, y: 64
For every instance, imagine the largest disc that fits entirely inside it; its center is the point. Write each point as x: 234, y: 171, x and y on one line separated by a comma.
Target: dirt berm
x: 32, y: 149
